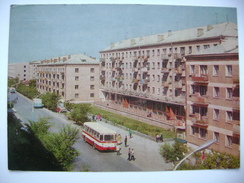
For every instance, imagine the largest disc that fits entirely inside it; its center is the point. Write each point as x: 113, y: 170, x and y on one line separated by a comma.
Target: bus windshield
x: 109, y: 137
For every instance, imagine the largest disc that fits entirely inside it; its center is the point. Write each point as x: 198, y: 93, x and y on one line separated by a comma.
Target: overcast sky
x: 44, y: 31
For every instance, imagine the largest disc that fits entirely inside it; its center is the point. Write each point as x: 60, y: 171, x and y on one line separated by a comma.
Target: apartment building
x: 19, y: 70
x: 73, y: 77
x: 145, y: 77
x: 213, y: 104
x: 33, y: 69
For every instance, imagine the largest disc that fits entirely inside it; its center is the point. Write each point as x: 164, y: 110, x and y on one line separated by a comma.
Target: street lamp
x: 199, y: 148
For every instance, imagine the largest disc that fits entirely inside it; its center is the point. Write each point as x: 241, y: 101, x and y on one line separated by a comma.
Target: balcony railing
x: 164, y: 57
x: 236, y: 129
x: 202, y: 78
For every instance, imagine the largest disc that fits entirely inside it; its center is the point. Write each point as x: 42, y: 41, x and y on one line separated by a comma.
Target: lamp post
x: 199, y: 148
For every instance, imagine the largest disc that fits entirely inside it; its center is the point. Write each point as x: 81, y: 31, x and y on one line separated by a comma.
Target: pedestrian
x: 125, y: 140
x: 130, y: 133
x: 93, y: 117
x: 129, y: 153
x: 118, y: 149
x: 132, y: 155
x: 156, y: 138
x: 161, y: 137
x: 99, y: 117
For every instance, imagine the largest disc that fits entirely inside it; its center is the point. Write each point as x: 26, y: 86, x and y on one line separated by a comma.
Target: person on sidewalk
x: 132, y: 155
x: 129, y: 153
x: 125, y: 140
x: 130, y: 133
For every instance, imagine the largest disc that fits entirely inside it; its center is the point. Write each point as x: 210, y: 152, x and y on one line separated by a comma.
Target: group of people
x: 98, y: 117
x: 131, y: 152
x: 159, y: 138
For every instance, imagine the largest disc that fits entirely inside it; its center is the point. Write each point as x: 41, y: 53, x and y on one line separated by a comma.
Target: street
x: 146, y: 151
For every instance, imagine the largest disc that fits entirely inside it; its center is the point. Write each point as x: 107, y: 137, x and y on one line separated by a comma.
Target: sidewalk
x: 146, y: 150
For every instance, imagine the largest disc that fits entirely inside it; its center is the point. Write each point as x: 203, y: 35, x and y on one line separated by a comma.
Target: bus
x: 100, y: 137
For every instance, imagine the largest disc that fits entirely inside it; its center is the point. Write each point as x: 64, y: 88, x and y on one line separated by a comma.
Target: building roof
x: 70, y: 59
x: 209, y: 31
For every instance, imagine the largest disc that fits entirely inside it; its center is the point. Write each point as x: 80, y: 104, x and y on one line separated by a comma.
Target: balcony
x: 203, y: 100
x: 102, y: 59
x: 165, y: 70
x: 135, y: 69
x: 144, y: 81
x: 178, y: 84
x: 202, y: 78
x: 135, y: 81
x: 112, y: 59
x: 164, y: 57
x: 177, y: 56
x: 203, y: 122
x: 144, y: 69
x: 102, y: 77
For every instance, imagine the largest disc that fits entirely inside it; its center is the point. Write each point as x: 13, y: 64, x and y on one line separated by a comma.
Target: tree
x: 50, y: 100
x: 68, y: 105
x: 173, y: 153
x: 79, y: 113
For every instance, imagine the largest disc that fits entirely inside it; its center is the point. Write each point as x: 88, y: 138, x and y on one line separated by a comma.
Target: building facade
x: 213, y: 103
x: 146, y: 77
x: 73, y: 77
x: 19, y: 70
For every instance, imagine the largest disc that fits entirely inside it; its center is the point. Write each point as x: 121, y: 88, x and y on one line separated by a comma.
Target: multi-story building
x: 19, y: 70
x: 213, y: 108
x: 145, y: 77
x: 33, y: 69
x: 73, y: 77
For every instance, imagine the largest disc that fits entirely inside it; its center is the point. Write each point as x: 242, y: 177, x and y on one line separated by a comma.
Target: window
x: 77, y: 95
x: 92, y: 70
x: 206, y: 46
x: 92, y: 95
x: 193, y: 89
x: 76, y: 78
x: 92, y: 87
x: 216, y: 92
x: 182, y: 50
x: 192, y: 70
x: 228, y: 116
x: 216, y: 136
x: 203, y: 69
x: 216, y: 114
x: 76, y: 86
x: 198, y: 48
x: 228, y: 70
x: 228, y: 140
x: 190, y: 49
x: 76, y: 70
x: 229, y: 93
x: 92, y: 78
x: 203, y: 90
x: 203, y: 111
x: 194, y: 130
x: 203, y: 133
x: 216, y: 70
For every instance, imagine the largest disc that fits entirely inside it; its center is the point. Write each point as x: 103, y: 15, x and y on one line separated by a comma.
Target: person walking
x: 125, y: 140
x: 129, y: 153
x: 132, y: 155
x: 130, y: 133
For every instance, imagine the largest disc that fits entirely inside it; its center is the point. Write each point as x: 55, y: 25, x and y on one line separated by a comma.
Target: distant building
x: 73, y: 77
x: 213, y: 99
x: 148, y: 78
x: 19, y: 70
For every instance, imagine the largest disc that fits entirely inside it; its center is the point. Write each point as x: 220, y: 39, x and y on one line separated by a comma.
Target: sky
x: 43, y: 31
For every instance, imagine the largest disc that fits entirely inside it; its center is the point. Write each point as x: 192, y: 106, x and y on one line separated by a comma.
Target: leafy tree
x: 173, y: 153
x: 68, y: 105
x: 50, y: 100
x: 59, y: 144
x: 12, y: 81
x: 79, y: 113
x: 28, y: 91
x: 32, y: 83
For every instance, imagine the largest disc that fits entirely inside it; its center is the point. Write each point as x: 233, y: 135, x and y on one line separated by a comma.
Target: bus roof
x: 99, y: 128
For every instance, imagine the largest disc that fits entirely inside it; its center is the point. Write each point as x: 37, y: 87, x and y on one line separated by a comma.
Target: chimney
x: 69, y: 56
x: 64, y: 59
x: 160, y: 38
x: 199, y: 32
x: 169, y: 33
x: 209, y: 27
x: 58, y: 58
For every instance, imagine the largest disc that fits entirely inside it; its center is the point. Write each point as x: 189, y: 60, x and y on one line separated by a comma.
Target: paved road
x: 146, y: 150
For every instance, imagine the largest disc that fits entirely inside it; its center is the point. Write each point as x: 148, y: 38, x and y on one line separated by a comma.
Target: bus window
x: 108, y: 137
x: 101, y: 137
